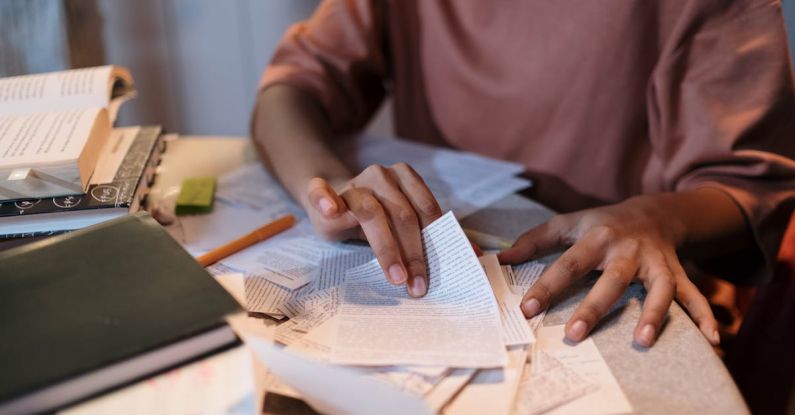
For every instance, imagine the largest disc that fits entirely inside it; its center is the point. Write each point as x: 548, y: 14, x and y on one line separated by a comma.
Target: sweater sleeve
x: 722, y: 114
x: 338, y: 57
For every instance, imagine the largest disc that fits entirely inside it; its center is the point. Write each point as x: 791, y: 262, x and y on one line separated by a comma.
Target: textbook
x: 52, y: 127
x: 118, y: 187
x: 91, y: 310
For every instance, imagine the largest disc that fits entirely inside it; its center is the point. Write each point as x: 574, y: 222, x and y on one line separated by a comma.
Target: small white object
x: 20, y: 174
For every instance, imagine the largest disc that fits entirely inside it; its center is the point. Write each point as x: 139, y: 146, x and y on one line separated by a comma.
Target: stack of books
x: 62, y: 165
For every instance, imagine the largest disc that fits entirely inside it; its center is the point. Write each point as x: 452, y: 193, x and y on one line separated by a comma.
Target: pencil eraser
x: 196, y: 196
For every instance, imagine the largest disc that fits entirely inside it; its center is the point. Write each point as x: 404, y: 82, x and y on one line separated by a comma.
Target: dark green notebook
x: 94, y: 308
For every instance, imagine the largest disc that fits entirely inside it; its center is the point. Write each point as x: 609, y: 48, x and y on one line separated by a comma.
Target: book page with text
x: 27, y: 141
x: 457, y: 324
x: 55, y: 91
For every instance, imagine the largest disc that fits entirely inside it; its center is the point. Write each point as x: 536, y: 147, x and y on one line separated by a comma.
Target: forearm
x: 292, y: 134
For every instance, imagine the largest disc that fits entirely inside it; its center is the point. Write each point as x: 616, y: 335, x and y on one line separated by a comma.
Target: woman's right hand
x: 386, y: 206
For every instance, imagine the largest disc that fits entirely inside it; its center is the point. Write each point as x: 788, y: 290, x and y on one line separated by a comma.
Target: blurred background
x: 196, y: 62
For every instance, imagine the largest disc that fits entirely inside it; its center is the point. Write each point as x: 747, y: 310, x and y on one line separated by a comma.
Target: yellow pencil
x: 260, y: 234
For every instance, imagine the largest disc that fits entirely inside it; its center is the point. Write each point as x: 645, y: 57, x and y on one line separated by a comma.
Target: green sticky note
x: 196, y: 196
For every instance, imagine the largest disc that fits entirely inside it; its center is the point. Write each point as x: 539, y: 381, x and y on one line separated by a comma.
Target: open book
x: 52, y: 127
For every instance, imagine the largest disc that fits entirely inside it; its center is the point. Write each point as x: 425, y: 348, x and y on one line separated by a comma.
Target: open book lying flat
x: 52, y: 127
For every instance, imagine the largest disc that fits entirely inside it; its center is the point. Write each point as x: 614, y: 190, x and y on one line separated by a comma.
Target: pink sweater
x: 600, y: 100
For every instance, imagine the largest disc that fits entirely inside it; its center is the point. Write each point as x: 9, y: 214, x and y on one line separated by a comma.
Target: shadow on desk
x: 762, y: 360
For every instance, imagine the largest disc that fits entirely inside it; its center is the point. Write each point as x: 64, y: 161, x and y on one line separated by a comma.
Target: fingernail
x: 647, y: 335
x: 715, y: 337
x: 326, y: 206
x: 577, y: 330
x: 418, y: 287
x: 531, y: 307
x: 396, y: 274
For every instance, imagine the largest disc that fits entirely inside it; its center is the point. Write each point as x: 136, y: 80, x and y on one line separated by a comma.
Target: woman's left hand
x: 635, y: 239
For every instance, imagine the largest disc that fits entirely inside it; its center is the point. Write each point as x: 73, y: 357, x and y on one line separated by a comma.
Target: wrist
x: 665, y: 211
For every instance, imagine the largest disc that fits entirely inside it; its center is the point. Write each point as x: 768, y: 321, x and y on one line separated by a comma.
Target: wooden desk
x: 680, y: 374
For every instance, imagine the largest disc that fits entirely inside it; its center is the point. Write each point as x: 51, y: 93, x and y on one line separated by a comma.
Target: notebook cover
x: 79, y: 301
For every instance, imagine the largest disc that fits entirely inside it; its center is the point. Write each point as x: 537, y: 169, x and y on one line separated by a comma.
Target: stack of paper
x: 343, y: 339
x: 462, y: 349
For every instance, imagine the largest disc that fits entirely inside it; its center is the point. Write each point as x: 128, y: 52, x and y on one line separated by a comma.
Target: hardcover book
x: 89, y: 310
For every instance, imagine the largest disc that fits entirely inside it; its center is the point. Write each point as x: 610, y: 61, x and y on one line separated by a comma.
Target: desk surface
x: 680, y: 374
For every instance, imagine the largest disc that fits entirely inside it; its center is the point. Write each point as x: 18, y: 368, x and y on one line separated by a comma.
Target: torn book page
x: 491, y: 391
x: 332, y: 389
x: 290, y: 263
x: 515, y: 330
x: 584, y: 358
x: 457, y: 324
x: 547, y: 384
x: 265, y: 296
x: 523, y: 276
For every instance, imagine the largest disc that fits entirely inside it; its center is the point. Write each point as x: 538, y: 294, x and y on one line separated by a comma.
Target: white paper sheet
x: 584, y: 359
x: 491, y: 391
x: 457, y: 324
x: 515, y: 330
x: 462, y: 182
x: 253, y: 187
x: 335, y: 390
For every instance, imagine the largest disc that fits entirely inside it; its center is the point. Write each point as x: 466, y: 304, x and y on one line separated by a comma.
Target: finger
x: 325, y: 199
x: 574, y: 263
x: 374, y: 223
x: 610, y: 286
x: 661, y: 288
x: 536, y: 242
x: 694, y: 302
x: 476, y: 248
x: 418, y: 194
x: 406, y: 228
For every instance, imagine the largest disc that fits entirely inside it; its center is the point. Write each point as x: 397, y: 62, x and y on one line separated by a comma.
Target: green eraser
x: 196, y: 196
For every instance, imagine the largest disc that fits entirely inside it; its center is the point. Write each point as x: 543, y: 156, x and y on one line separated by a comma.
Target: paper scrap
x: 584, y: 359
x: 523, y: 276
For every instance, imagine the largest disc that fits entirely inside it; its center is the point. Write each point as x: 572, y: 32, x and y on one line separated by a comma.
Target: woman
x: 664, y: 128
